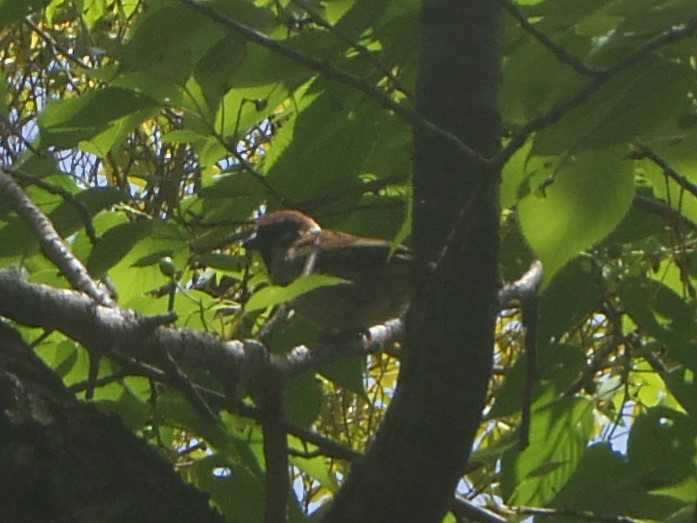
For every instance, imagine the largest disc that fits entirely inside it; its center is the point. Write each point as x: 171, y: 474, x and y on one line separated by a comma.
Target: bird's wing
x: 349, y: 256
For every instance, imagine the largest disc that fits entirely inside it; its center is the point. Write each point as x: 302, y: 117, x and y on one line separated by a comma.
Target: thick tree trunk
x: 62, y: 460
x: 421, y: 450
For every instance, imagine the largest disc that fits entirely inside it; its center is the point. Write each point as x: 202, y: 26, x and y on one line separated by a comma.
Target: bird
x: 378, y: 274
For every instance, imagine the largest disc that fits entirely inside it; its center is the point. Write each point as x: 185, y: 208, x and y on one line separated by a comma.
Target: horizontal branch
x: 147, y: 339
x: 523, y: 289
x: 141, y: 340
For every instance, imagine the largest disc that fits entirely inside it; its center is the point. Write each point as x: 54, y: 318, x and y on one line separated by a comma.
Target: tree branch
x: 148, y: 339
x: 51, y: 243
x: 600, y: 78
x: 275, y: 448
x: 138, y: 343
x: 333, y: 73
x: 642, y: 151
x: 59, y: 191
x: 559, y: 52
x: 466, y: 509
x: 577, y: 514
x: 662, y: 209
x: 436, y: 410
x: 361, y: 49
x: 56, y: 45
x: 524, y: 288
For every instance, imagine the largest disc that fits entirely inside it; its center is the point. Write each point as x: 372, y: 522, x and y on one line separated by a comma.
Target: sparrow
x: 378, y: 274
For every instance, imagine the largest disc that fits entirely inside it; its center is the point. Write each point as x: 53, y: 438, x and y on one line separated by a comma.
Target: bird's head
x: 276, y: 233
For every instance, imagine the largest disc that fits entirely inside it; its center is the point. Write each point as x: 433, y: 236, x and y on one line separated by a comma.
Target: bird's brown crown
x: 377, y: 274
x: 281, y: 228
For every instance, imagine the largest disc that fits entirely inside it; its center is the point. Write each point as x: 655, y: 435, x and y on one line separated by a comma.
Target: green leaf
x: 61, y: 355
x: 317, y: 467
x: 348, y: 373
x: 265, y: 76
x: 636, y: 226
x: 233, y: 488
x: 232, y: 197
x: 558, y: 365
x: 14, y: 10
x: 683, y: 386
x: 64, y: 123
x: 679, y: 155
x: 4, y: 92
x: 125, y: 244
x: 131, y: 404
x: 158, y: 49
x: 41, y: 165
x: 589, y: 196
x: 183, y: 136
x: 67, y: 219
x: 114, y: 135
x: 303, y: 399
x: 238, y: 185
x: 222, y: 262
x: 275, y: 295
x: 93, y: 12
x: 71, y: 362
x: 524, y: 95
x: 570, y: 10
x: 515, y: 172
x: 356, y: 139
x: 631, y: 107
x: 557, y: 313
x: 684, y: 515
x: 605, y: 483
x: 559, y: 432
x: 115, y: 244
x: 645, y: 18
x: 663, y: 314
x: 662, y: 448
x: 194, y: 309
x: 16, y: 240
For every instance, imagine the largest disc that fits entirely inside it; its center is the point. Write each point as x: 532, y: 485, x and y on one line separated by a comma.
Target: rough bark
x: 421, y: 449
x: 63, y: 461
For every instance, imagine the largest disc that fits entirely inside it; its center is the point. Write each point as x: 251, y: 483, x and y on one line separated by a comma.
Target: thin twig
x: 472, y: 512
x: 643, y: 151
x: 51, y: 243
x: 559, y: 52
x: 59, y: 191
x: 18, y: 133
x: 57, y: 46
x: 600, y: 78
x: 187, y: 387
x: 361, y: 49
x: 596, y: 363
x: 662, y: 209
x: 530, y: 321
x: 578, y: 514
x: 334, y: 73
